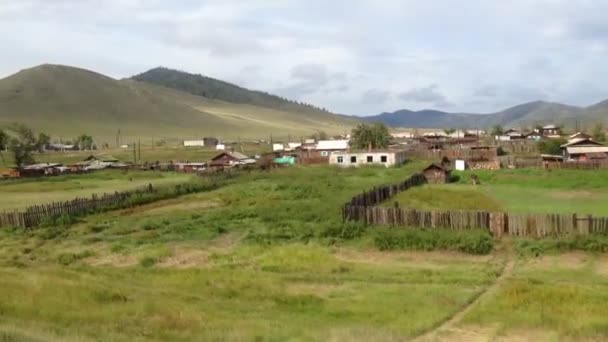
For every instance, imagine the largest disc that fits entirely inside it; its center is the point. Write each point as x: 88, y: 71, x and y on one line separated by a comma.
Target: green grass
x: 267, y: 257
x: 518, y: 191
x: 17, y: 194
x: 564, y: 296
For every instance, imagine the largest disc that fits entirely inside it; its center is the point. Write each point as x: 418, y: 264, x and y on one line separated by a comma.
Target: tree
x: 43, y: 141
x: 449, y: 131
x: 376, y: 135
x: 598, y: 132
x: 551, y: 146
x: 319, y: 135
x: 497, y: 130
x: 3, y: 142
x: 84, y: 142
x: 23, y: 145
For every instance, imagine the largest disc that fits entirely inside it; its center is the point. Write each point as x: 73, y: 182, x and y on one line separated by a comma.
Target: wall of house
x: 392, y: 158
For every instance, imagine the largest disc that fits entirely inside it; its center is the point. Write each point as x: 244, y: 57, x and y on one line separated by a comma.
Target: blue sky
x: 355, y: 57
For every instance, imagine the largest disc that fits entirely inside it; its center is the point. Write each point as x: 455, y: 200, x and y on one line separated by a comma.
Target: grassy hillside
x: 66, y: 101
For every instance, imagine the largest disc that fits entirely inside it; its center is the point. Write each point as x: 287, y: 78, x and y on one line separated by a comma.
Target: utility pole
x: 139, y: 150
x: 134, y: 154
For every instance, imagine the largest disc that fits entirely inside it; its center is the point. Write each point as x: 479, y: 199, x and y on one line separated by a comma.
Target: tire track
x: 450, y: 323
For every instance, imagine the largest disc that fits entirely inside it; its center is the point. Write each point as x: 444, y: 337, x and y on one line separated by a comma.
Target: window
x: 340, y: 160
x: 384, y: 159
x: 370, y: 159
x: 353, y: 159
x: 324, y: 153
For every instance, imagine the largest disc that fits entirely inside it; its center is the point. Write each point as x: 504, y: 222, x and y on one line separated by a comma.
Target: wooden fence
x: 35, y: 215
x: 364, y: 208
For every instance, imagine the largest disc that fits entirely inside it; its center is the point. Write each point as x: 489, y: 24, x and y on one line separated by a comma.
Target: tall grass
x: 470, y: 241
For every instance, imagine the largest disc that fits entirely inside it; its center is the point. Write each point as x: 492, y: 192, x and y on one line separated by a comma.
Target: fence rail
x: 35, y: 215
x: 364, y: 208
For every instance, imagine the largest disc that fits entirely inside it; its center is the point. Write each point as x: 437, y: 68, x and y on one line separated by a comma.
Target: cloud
x: 375, y: 96
x: 425, y: 95
x: 356, y: 59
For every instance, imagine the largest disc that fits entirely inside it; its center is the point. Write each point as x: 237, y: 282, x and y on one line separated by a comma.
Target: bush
x: 69, y: 258
x: 470, y: 241
x: 588, y: 243
x: 148, y: 261
x: 346, y: 231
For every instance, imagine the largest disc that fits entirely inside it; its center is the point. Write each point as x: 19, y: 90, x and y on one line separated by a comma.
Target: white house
x: 220, y: 147
x: 325, y: 147
x: 509, y: 135
x: 194, y: 143
x: 278, y: 147
x: 385, y: 158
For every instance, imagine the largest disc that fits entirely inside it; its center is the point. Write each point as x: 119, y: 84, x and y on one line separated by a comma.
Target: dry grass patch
x: 431, y: 260
x: 571, y: 260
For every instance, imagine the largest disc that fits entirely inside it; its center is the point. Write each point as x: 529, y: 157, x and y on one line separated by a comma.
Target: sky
x: 359, y: 57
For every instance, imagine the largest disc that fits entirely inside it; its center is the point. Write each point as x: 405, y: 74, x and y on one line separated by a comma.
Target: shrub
x: 588, y: 243
x: 69, y: 258
x: 148, y: 261
x: 346, y: 231
x: 470, y: 241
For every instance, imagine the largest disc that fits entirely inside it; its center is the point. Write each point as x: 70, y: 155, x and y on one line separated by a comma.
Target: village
x: 452, y: 149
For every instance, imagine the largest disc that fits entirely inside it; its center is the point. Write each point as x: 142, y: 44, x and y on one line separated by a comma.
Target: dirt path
x: 450, y: 324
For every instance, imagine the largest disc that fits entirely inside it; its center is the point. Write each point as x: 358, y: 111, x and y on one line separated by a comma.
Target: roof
x: 41, y: 166
x: 551, y: 156
x: 594, y: 155
x: 550, y: 127
x: 332, y: 145
x: 579, y: 135
x: 587, y: 149
x: 581, y: 142
x: 101, y: 158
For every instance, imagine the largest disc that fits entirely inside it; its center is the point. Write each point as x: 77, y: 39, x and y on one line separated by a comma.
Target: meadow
x: 266, y: 257
x: 20, y: 193
x: 518, y: 191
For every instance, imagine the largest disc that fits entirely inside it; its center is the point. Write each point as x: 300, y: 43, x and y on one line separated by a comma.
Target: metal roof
x: 587, y: 149
x: 332, y: 145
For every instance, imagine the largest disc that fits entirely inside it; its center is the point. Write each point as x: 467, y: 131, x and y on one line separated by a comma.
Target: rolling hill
x: 526, y: 114
x: 65, y: 101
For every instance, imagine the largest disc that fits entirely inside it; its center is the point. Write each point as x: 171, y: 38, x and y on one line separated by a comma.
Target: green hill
x: 65, y: 101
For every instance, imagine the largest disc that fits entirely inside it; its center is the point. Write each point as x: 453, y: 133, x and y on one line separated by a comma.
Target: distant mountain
x: 65, y: 101
x: 526, y: 114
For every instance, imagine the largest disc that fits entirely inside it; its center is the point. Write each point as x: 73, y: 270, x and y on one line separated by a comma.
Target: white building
x: 278, y: 147
x: 325, y: 147
x: 194, y: 143
x: 385, y: 158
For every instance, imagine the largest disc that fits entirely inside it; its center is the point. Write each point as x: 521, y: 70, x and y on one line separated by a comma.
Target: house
x: 436, y: 174
x: 579, y: 135
x: 509, y: 135
x: 189, y: 167
x: 41, y: 169
x: 231, y: 159
x: 534, y: 135
x: 61, y: 147
x: 325, y: 147
x: 584, y: 149
x: 220, y: 147
x: 194, y: 143
x: 385, y: 158
x: 402, y: 135
x: 550, y: 131
x: 292, y: 146
x: 278, y: 147
x: 93, y: 163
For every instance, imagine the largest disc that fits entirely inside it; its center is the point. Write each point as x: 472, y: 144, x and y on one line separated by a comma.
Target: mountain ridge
x: 529, y: 113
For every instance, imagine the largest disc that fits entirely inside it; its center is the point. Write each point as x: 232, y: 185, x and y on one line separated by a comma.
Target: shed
x: 436, y: 174
x: 228, y: 159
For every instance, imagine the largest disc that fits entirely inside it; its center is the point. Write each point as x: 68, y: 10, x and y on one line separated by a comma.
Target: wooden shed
x: 436, y: 174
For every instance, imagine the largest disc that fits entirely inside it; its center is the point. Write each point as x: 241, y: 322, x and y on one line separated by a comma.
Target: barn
x: 436, y: 174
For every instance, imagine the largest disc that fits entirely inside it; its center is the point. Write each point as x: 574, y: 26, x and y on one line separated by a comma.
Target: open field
x: 522, y: 190
x: 17, y: 194
x: 267, y: 257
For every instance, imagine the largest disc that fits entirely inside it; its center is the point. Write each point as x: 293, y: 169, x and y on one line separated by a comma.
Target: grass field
x: 522, y: 190
x: 267, y: 257
x: 17, y: 194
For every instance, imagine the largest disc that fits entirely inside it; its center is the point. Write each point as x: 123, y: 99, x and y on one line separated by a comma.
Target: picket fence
x: 364, y: 208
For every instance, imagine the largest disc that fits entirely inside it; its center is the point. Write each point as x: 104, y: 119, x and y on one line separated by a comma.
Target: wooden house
x: 584, y: 150
x: 231, y: 159
x: 436, y: 174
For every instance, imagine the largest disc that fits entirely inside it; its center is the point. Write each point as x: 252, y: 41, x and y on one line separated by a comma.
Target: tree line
x: 22, y: 143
